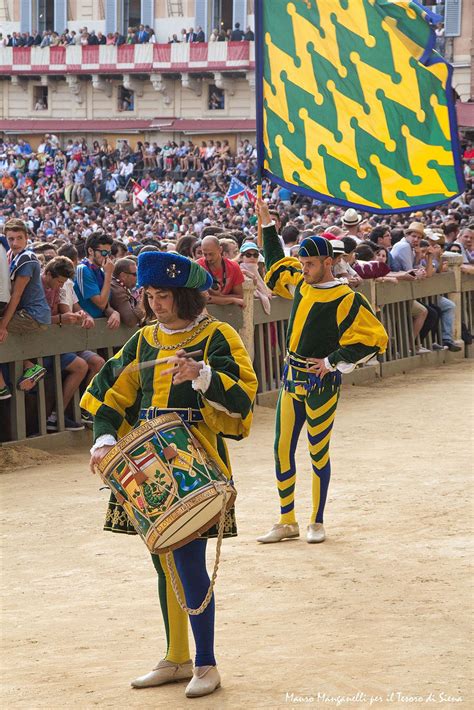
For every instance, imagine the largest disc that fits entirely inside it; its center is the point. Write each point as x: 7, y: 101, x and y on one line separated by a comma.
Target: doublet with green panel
x: 334, y: 322
x: 118, y: 396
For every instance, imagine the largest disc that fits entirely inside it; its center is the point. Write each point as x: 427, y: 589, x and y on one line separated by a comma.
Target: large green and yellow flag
x: 354, y: 105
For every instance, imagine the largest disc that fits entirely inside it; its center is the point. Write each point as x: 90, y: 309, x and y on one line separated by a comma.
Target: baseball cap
x: 248, y: 246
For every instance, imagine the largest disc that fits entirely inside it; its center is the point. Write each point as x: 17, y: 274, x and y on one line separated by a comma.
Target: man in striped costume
x: 331, y: 329
x: 215, y: 396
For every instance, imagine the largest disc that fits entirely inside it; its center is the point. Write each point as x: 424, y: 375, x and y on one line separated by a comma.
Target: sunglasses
x: 253, y: 254
x: 104, y: 252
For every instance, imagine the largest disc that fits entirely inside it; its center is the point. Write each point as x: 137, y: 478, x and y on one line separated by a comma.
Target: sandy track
x: 381, y: 607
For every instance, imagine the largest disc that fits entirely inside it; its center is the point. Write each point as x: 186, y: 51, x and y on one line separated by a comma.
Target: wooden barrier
x: 24, y: 416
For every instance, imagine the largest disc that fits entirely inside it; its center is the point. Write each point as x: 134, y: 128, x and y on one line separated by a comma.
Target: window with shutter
x: 201, y: 18
x: 240, y: 13
x: 148, y: 11
x: 60, y: 15
x: 111, y: 19
x: 26, y: 20
x: 452, y: 18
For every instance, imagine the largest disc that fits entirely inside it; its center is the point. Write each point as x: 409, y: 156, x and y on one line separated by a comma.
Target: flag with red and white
x: 238, y: 192
x: 139, y: 194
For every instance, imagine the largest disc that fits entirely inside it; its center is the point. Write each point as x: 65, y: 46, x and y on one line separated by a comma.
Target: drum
x: 169, y: 485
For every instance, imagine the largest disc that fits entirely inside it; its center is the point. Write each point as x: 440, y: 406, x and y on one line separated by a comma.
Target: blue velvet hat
x: 315, y: 246
x: 169, y: 270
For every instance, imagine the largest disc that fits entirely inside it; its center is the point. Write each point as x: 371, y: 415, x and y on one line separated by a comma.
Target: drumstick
x: 161, y: 361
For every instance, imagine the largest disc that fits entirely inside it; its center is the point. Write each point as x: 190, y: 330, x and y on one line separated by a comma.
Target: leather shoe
x: 205, y: 680
x: 452, y: 347
x: 315, y: 533
x: 280, y: 532
x: 165, y: 672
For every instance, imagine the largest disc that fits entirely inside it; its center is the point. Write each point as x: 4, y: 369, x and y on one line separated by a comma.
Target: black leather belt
x: 188, y: 415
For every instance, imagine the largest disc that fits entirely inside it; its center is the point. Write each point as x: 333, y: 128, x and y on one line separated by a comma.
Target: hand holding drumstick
x: 184, y: 369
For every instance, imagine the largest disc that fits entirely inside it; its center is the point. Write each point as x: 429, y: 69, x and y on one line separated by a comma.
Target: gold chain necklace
x: 202, y: 326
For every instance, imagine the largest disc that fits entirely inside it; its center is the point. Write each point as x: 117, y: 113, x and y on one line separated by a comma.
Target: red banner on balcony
x: 198, y: 52
x: 126, y: 54
x: 90, y: 54
x: 22, y: 55
x: 238, y: 51
x: 57, y: 55
x: 162, y: 53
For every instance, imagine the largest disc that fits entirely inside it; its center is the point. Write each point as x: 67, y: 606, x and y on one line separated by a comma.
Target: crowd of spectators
x: 143, y: 34
x: 71, y: 234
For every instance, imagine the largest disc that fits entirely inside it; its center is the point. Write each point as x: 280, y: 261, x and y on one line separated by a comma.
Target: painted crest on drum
x: 160, y: 493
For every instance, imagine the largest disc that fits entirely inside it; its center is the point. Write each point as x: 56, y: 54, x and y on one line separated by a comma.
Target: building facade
x: 156, y: 91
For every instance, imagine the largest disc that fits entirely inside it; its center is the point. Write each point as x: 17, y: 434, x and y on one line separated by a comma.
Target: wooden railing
x: 24, y: 416
x: 392, y: 303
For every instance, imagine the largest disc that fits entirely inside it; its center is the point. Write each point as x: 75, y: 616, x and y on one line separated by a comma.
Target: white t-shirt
x: 4, y: 276
x: 67, y: 295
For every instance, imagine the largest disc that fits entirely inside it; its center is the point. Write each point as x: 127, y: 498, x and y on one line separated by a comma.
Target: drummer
x: 216, y: 395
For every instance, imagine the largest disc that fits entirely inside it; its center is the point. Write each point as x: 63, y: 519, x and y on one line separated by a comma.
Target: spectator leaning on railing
x: 73, y: 368
x: 445, y: 307
x: 404, y: 260
x: 227, y: 278
x: 93, y: 279
x: 122, y: 296
x: 69, y: 303
x: 465, y: 242
x: 27, y: 310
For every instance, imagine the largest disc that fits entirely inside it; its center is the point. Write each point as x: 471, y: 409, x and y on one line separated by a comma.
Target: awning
x: 207, y: 125
x: 166, y: 125
x: 55, y: 125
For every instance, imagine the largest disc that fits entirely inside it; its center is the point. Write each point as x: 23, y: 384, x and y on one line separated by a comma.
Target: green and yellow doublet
x: 120, y: 398
x: 334, y: 322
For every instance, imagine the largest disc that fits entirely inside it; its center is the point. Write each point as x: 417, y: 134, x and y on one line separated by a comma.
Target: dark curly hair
x: 189, y: 302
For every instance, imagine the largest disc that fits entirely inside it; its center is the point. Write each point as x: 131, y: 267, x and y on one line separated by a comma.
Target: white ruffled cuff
x: 104, y: 440
x: 328, y: 365
x: 202, y: 382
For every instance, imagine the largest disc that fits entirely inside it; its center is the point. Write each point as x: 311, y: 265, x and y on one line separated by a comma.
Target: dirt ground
x: 379, y: 615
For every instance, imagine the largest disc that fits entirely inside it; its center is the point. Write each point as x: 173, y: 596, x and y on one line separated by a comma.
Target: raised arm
x: 283, y: 273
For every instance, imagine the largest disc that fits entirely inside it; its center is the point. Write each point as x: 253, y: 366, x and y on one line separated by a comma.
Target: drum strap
x: 220, y: 487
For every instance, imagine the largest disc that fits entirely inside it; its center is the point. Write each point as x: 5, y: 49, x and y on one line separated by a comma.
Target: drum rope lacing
x: 202, y: 326
x: 171, y: 568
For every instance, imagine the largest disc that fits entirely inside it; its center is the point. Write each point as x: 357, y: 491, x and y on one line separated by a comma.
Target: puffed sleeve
x: 227, y: 404
x: 361, y: 334
x: 113, y: 396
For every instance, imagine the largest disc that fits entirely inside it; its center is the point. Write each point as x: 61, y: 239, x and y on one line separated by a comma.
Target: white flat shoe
x: 280, y: 532
x: 315, y: 533
x: 206, y: 680
x: 165, y: 672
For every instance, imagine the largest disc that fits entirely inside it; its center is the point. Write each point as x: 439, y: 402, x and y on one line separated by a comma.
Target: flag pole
x: 259, y: 105
x: 259, y: 197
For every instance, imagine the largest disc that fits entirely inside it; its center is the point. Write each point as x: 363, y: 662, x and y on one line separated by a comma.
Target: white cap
x: 337, y: 247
